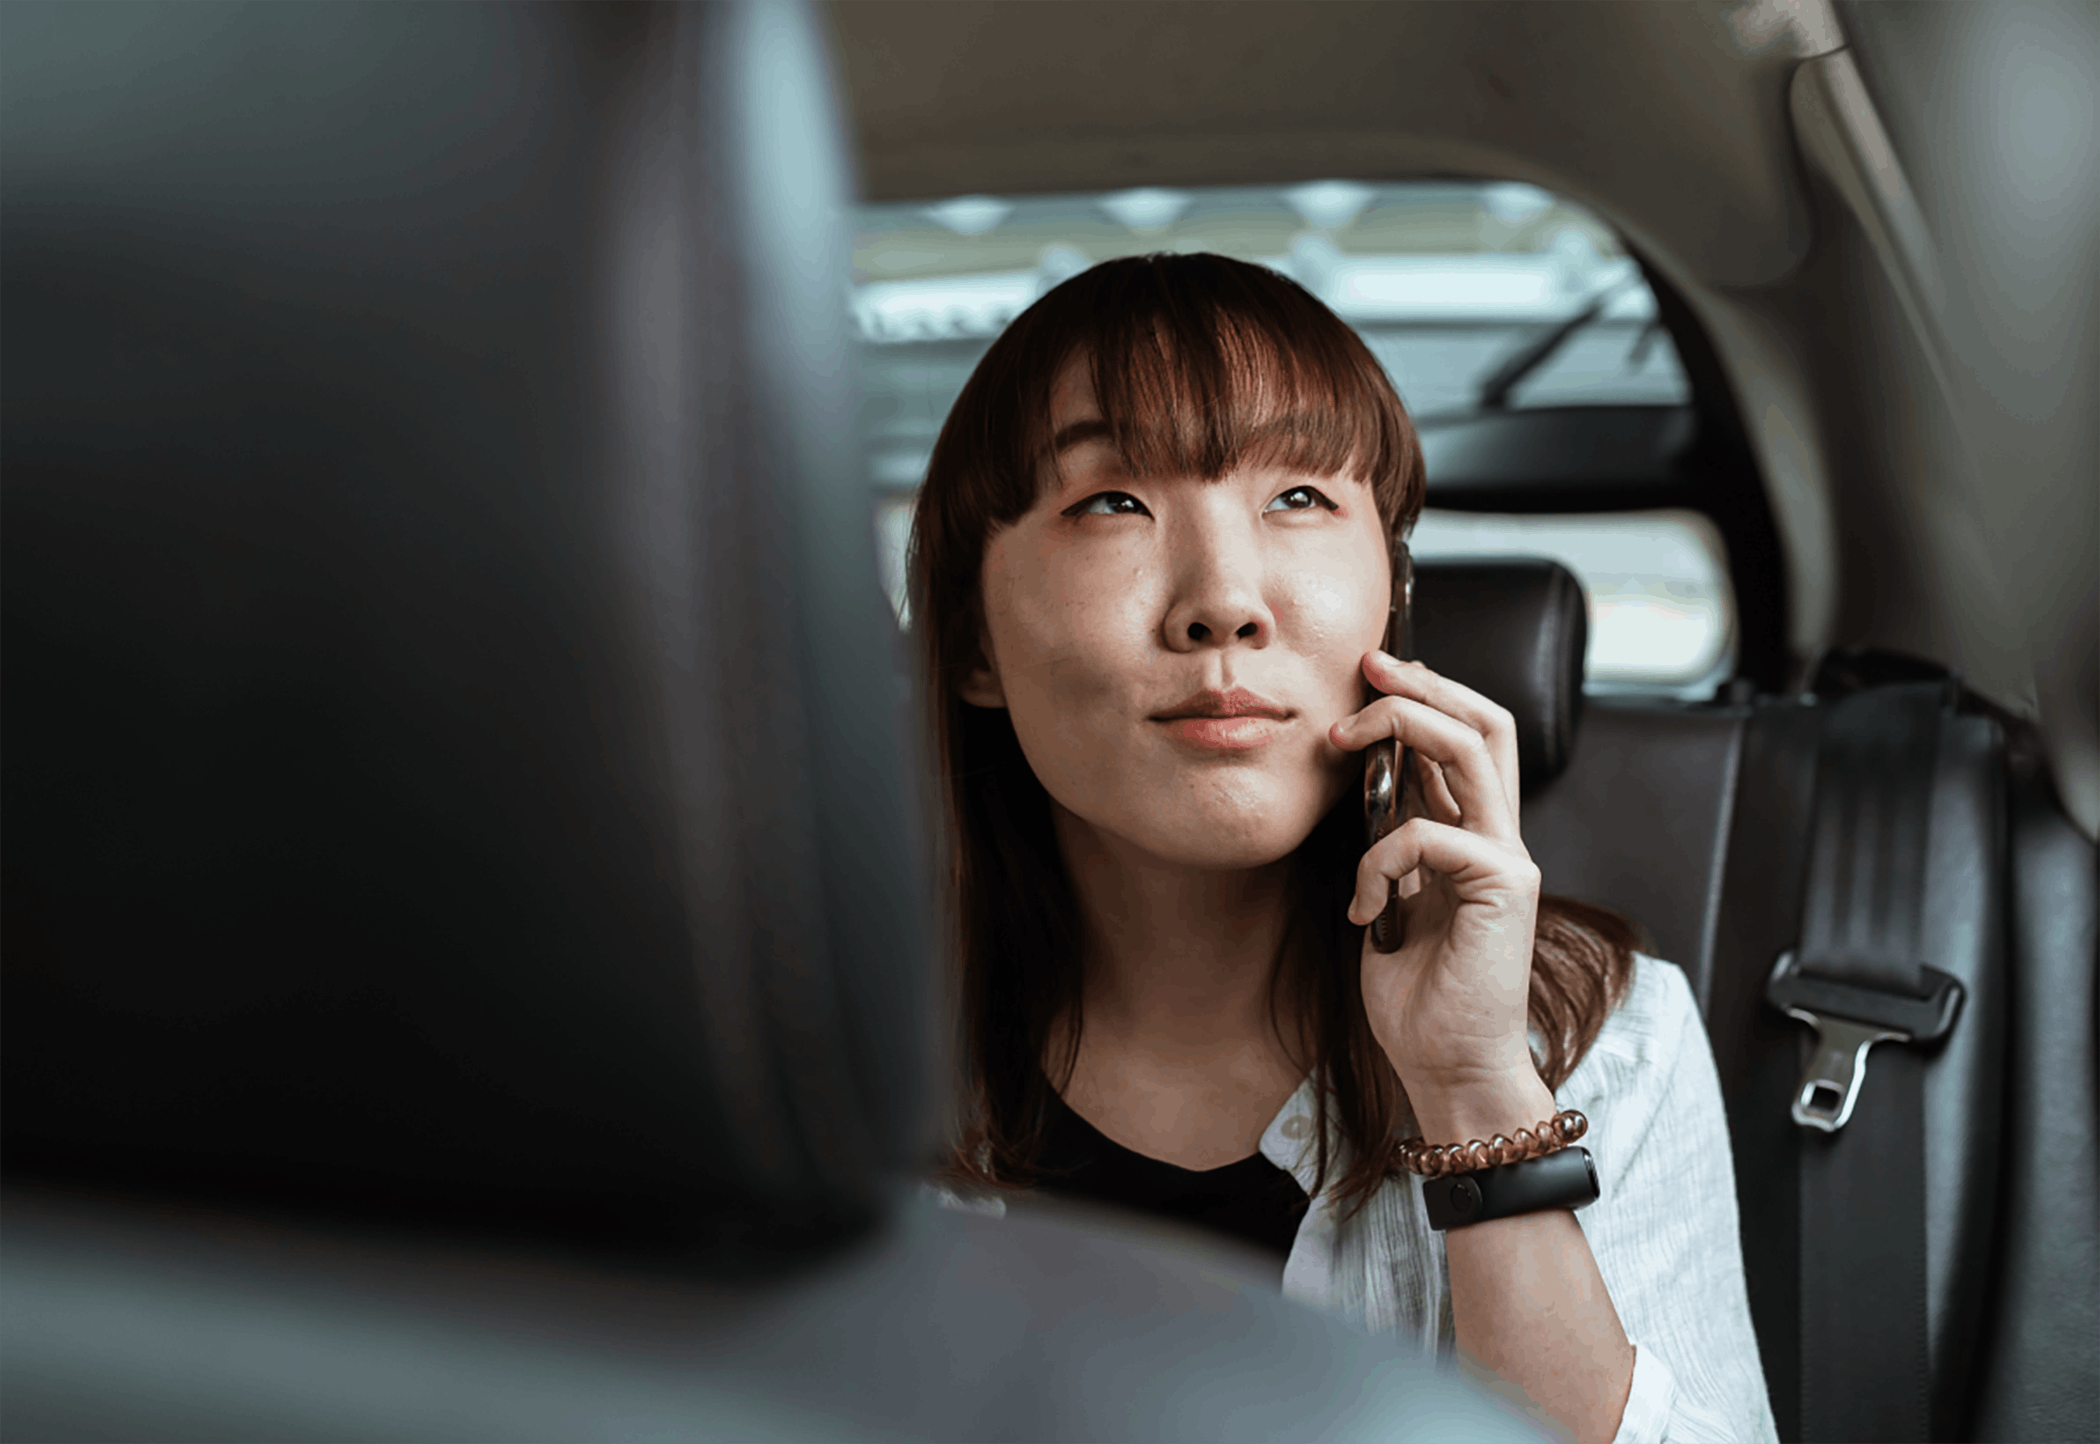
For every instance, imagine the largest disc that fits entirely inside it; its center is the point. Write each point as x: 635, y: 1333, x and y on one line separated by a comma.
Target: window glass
x: 1451, y: 284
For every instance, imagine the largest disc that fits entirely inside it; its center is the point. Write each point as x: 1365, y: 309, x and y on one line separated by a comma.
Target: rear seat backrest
x: 421, y: 575
x: 1640, y: 820
x: 1694, y: 821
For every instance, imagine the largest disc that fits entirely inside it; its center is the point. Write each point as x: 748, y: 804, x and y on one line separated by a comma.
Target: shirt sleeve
x: 1664, y: 1229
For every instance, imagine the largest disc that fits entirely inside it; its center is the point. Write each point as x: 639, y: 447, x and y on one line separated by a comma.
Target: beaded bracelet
x: 1441, y: 1160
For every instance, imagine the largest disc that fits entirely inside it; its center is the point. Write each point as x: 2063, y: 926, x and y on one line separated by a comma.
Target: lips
x: 1234, y: 721
x: 1239, y: 702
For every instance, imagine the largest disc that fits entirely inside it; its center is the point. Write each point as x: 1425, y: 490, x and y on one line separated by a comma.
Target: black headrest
x: 1514, y: 631
x: 453, y: 755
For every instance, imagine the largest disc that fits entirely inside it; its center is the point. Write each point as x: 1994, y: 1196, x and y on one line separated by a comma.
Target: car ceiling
x: 1681, y: 108
x: 1782, y: 216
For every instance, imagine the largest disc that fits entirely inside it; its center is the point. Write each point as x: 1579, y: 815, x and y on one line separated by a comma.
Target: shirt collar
x: 1288, y: 1140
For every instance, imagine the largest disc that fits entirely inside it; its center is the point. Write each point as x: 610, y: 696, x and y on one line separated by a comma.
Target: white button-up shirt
x: 1663, y: 1229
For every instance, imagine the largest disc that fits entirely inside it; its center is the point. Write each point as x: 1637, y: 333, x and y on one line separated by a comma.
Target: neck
x: 1179, y: 959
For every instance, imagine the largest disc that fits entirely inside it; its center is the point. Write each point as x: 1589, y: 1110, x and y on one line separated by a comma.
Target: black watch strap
x: 1566, y: 1178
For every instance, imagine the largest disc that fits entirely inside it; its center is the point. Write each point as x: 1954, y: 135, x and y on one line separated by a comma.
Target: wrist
x: 1480, y: 1108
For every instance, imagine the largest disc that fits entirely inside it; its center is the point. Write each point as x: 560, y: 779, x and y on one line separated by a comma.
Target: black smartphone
x: 1388, y: 765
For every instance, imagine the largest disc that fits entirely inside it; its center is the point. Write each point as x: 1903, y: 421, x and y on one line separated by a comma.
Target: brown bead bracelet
x: 1440, y: 1160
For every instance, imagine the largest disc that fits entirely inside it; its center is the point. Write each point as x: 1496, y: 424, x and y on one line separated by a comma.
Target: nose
x: 1218, y: 599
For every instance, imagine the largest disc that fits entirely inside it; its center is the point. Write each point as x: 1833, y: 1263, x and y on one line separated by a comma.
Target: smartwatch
x: 1566, y: 1178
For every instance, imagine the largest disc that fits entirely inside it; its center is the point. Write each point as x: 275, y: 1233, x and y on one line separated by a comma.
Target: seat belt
x: 1857, y: 978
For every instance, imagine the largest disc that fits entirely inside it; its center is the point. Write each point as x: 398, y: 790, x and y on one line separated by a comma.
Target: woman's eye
x: 1109, y: 503
x: 1300, y: 498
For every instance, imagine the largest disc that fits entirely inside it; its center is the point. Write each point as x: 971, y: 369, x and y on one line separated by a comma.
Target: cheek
x: 1330, y: 610
x: 1335, y: 620
x: 1069, y: 637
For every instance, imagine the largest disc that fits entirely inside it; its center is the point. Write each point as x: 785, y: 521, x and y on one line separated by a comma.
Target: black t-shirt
x: 1252, y: 1201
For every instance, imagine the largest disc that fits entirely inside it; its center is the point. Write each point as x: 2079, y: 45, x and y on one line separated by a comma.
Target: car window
x: 1479, y: 298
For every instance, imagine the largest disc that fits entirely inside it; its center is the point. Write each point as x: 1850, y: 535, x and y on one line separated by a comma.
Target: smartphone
x: 1387, y: 765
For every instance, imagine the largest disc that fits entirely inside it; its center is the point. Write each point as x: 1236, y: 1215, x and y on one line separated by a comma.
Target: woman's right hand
x: 1450, y: 1007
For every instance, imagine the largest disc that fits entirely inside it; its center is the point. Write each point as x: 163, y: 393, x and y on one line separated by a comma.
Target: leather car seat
x: 465, y: 972
x: 1708, y: 846
x: 1695, y: 822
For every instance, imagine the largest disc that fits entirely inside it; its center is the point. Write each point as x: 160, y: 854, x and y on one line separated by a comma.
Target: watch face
x: 1566, y: 1178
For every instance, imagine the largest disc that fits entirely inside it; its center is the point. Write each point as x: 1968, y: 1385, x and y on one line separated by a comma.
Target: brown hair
x: 1199, y: 363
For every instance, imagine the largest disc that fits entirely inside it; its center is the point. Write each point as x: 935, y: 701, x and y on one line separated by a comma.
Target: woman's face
x: 1172, y: 650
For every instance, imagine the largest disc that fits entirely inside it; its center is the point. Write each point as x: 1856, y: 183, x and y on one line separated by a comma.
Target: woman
x: 1150, y: 569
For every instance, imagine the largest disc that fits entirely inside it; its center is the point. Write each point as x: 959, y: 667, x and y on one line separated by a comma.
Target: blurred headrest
x: 1514, y: 631
x: 453, y: 751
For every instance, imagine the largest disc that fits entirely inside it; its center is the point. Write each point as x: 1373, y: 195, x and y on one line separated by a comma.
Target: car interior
x: 469, y: 965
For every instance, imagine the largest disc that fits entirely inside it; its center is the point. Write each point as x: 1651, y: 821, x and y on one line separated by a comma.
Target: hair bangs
x: 1201, y: 369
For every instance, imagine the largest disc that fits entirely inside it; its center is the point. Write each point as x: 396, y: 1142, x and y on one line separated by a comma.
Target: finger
x: 1478, y: 867
x: 1494, y: 722
x: 1436, y: 792
x: 1462, y: 753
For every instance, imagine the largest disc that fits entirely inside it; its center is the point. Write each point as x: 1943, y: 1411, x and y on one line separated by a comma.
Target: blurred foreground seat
x: 464, y: 967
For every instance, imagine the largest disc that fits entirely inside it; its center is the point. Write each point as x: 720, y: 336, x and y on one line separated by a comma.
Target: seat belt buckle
x: 1849, y: 1019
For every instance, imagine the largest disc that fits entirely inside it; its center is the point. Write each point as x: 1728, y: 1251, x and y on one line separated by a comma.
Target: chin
x: 1233, y: 828
x: 1213, y: 853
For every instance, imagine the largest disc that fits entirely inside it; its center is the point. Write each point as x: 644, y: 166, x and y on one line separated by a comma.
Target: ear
x: 981, y: 686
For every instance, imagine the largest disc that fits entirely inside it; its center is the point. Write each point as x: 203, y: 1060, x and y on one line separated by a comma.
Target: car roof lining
x: 1695, y: 163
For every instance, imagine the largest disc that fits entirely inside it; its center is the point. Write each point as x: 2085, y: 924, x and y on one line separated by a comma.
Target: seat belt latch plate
x: 1849, y: 1019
